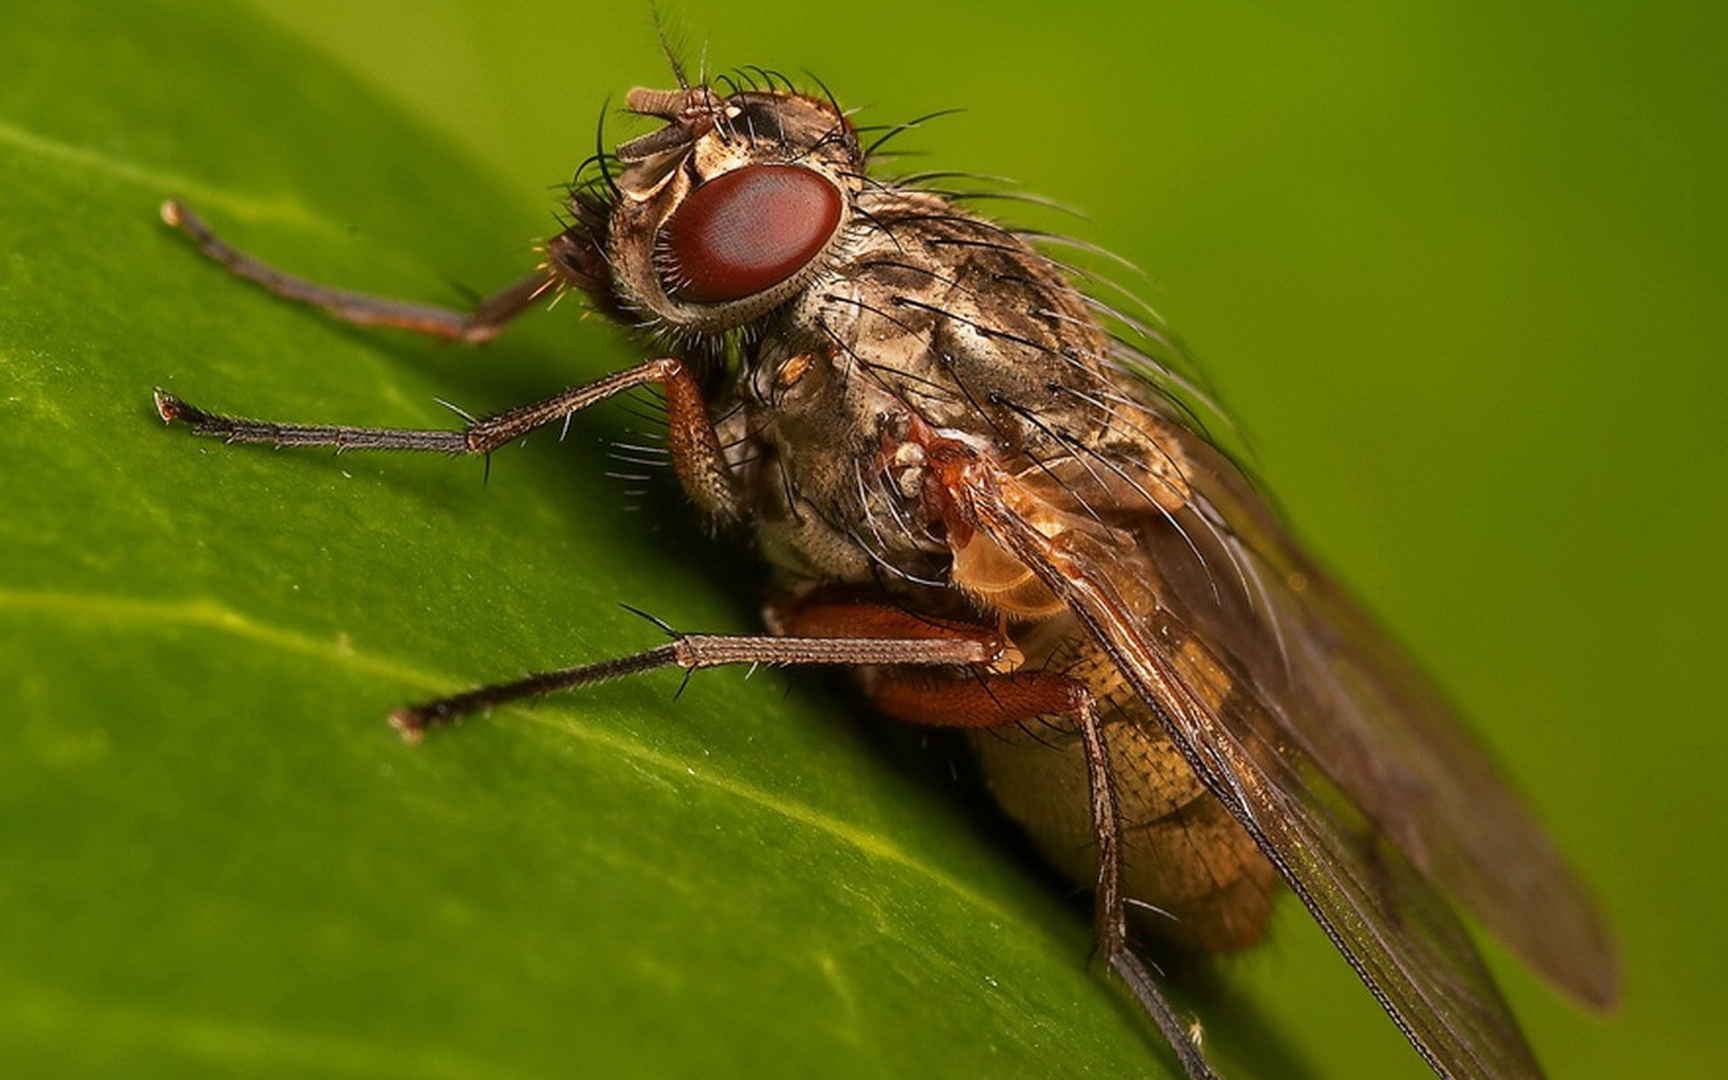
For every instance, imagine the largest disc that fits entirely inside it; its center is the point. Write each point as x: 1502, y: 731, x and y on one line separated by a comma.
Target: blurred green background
x: 1457, y: 267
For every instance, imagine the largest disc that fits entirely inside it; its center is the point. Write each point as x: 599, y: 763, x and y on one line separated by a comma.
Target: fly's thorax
x: 906, y: 339
x: 956, y: 316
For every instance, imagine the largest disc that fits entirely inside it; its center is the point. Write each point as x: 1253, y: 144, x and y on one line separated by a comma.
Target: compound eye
x: 748, y: 230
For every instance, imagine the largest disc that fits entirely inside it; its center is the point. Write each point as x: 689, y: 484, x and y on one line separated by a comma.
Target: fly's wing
x: 1349, y: 868
x: 1328, y: 678
x: 1379, y: 729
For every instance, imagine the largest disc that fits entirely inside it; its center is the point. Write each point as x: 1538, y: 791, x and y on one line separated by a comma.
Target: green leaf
x: 233, y: 865
x: 1398, y: 227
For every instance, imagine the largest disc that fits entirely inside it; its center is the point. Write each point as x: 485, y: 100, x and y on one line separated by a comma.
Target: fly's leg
x: 693, y: 652
x: 695, y: 448
x: 993, y: 699
x: 481, y: 324
x: 846, y: 634
x: 1110, y: 921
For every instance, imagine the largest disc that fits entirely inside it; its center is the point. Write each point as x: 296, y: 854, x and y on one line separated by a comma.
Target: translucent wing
x: 1207, y: 646
x: 1337, y: 686
x: 1381, y: 731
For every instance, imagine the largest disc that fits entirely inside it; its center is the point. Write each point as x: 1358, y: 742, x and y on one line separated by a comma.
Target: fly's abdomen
x: 1183, y: 853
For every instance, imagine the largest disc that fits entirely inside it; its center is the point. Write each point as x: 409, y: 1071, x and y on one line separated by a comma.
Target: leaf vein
x: 209, y: 615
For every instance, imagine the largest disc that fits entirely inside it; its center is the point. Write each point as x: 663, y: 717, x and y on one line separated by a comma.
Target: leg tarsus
x: 413, y: 720
x: 168, y: 407
x: 1132, y: 971
x: 235, y: 429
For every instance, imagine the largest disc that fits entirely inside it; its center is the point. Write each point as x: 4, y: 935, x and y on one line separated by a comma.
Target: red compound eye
x: 748, y: 230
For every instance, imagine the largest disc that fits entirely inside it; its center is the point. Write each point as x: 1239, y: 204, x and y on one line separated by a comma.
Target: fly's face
x: 731, y: 208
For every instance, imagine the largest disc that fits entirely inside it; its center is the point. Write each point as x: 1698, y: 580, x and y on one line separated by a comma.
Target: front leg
x: 363, y: 309
x: 695, y: 448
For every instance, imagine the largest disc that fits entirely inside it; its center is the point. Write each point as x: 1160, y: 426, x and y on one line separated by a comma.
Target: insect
x: 986, y: 488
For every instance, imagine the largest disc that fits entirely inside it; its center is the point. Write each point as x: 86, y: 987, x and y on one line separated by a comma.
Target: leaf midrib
x: 209, y: 615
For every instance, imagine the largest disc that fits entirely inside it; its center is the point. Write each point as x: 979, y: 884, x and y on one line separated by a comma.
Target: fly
x: 984, y: 488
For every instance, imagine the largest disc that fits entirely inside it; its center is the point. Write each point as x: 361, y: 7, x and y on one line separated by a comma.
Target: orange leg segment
x: 989, y: 700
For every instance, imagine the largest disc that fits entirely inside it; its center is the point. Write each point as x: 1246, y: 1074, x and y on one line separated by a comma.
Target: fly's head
x: 730, y: 209
x: 874, y: 321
